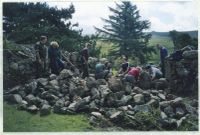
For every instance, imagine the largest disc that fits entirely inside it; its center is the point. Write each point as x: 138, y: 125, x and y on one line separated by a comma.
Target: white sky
x: 164, y: 16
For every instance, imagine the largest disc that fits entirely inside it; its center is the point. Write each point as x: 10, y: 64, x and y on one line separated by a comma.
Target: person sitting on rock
x: 133, y: 75
x: 100, y: 71
x: 154, y: 72
x: 125, y: 66
x: 54, y: 53
x: 41, y: 56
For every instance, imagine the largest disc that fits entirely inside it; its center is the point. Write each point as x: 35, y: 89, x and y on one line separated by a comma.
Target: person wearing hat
x: 84, y: 60
x: 54, y: 53
x: 154, y: 72
x: 41, y: 56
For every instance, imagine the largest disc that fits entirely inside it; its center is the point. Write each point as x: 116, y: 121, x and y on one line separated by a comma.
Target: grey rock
x: 139, y: 99
x: 67, y: 103
x: 137, y: 90
x: 164, y: 104
x: 116, y: 116
x: 15, y: 98
x: 163, y: 115
x: 142, y: 108
x: 91, y: 82
x: 93, y: 106
x: 104, y: 90
x: 153, y: 103
x: 179, y: 112
x: 42, y: 81
x: 95, y: 93
x: 161, y: 96
x: 154, y: 92
x: 177, y: 102
x: 101, y: 82
x: 96, y: 114
x: 14, y: 90
x: 115, y: 84
x: 65, y: 74
x: 193, y: 54
x: 145, y: 81
x: 169, y: 123
x: 23, y: 105
x: 14, y: 66
x: 169, y: 111
x: 53, y: 82
x: 179, y: 122
x: 32, y: 109
x: 52, y: 77
x: 45, y: 109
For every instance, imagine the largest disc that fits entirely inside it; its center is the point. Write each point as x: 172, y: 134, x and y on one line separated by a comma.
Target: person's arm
x: 126, y: 69
x: 153, y: 74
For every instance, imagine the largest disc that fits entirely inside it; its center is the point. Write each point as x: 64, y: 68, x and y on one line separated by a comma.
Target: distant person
x: 55, y: 63
x: 125, y: 66
x: 154, y: 72
x: 163, y: 55
x: 41, y: 56
x: 133, y: 75
x: 84, y: 60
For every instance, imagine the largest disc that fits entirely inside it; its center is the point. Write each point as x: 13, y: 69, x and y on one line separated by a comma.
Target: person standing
x: 41, y: 56
x: 55, y: 62
x: 84, y: 60
x: 163, y: 55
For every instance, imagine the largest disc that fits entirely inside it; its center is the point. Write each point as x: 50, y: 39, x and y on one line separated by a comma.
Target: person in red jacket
x: 133, y: 75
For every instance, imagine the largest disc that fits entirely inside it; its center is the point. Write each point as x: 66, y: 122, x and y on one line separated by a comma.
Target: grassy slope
x: 22, y: 121
x: 163, y: 40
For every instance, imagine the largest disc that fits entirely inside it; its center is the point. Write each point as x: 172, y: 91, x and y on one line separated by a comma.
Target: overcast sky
x: 164, y: 16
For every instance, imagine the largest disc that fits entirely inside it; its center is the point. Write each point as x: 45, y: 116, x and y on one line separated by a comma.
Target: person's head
x: 43, y: 39
x: 139, y: 68
x: 125, y: 58
x: 148, y: 67
x: 108, y: 64
x: 158, y: 46
x: 54, y: 44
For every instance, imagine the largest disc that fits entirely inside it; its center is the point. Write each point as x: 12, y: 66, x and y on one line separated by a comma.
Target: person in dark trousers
x: 55, y: 62
x: 84, y: 60
x: 41, y: 56
x: 163, y: 55
x: 125, y: 66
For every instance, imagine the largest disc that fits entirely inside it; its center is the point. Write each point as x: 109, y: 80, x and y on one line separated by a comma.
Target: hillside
x: 193, y: 34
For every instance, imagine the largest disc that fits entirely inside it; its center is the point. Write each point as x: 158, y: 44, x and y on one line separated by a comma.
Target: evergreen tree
x: 25, y: 22
x: 126, y: 29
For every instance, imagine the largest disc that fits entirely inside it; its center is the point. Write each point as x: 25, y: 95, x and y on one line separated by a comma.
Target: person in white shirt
x: 154, y: 72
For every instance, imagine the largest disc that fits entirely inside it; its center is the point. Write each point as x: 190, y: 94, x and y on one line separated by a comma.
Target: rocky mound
x: 108, y: 103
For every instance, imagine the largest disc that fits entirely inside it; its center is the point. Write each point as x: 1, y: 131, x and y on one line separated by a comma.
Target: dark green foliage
x: 125, y: 29
x: 181, y: 40
x: 26, y: 22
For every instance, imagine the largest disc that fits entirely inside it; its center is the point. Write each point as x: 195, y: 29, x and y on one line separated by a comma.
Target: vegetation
x: 125, y: 29
x: 181, y: 40
x: 22, y: 121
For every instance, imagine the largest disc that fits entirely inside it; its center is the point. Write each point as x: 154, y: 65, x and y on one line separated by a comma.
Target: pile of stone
x: 109, y: 104
x: 182, y: 74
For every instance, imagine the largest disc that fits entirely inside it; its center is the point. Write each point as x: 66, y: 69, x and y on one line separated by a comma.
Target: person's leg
x: 163, y: 67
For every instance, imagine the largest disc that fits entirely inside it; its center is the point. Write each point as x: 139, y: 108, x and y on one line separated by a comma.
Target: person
x: 125, y: 66
x: 55, y: 62
x: 84, y: 60
x: 41, y: 56
x: 154, y: 72
x: 100, y: 71
x: 133, y: 75
x: 163, y: 55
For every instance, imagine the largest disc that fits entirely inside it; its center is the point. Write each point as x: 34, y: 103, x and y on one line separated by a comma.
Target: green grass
x: 154, y: 58
x: 22, y: 121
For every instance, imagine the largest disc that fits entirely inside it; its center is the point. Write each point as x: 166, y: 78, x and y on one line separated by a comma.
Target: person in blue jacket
x: 163, y: 55
x: 55, y: 62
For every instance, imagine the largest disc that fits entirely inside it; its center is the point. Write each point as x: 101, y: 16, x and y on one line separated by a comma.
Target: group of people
x: 49, y: 59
